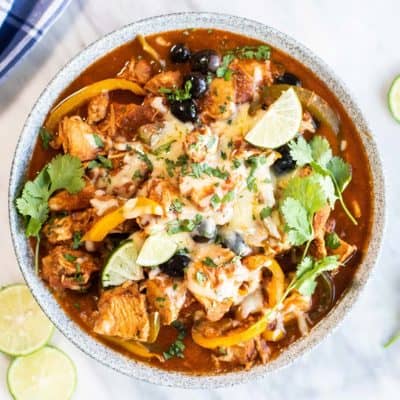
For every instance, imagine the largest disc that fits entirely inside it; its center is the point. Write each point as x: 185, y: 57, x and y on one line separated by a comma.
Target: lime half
x: 279, y: 124
x: 46, y: 374
x: 394, y: 98
x: 121, y: 266
x: 157, y: 249
x: 23, y: 326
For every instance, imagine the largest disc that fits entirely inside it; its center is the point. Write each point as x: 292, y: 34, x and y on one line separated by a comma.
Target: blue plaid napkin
x: 22, y: 24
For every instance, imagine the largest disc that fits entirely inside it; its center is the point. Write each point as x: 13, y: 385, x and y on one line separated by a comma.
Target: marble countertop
x: 359, y: 40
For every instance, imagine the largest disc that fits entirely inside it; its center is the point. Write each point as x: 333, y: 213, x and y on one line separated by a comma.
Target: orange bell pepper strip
x: 133, y: 208
x: 276, y: 285
x: 83, y: 95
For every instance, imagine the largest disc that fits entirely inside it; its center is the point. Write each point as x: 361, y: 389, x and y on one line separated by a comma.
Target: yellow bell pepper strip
x: 135, y: 348
x: 148, y: 49
x: 317, y: 106
x: 275, y: 292
x: 133, y: 208
x: 83, y: 95
x: 154, y: 327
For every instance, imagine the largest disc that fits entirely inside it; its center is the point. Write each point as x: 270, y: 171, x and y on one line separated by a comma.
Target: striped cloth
x: 22, y: 24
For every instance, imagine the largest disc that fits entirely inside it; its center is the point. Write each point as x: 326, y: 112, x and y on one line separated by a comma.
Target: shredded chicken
x: 167, y: 296
x: 64, y: 201
x: 139, y: 71
x: 64, y: 268
x: 123, y: 313
x: 78, y: 138
x: 168, y: 80
x: 97, y: 108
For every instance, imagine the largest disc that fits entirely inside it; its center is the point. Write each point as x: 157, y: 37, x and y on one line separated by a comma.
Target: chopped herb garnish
x: 215, y: 201
x: 332, y: 240
x: 76, y: 240
x: 160, y: 299
x: 176, y: 206
x: 236, y: 163
x: 177, y: 348
x: 228, y: 197
x: 98, y: 141
x: 100, y: 162
x: 183, y: 225
x: 200, y: 277
x: 77, y: 306
x: 254, y: 162
x: 223, y: 155
x: 69, y: 257
x: 137, y: 175
x: 46, y: 137
x: 265, y: 212
x: 178, y: 94
x: 223, y: 71
x: 198, y: 169
x: 145, y: 159
x: 222, y: 108
x: 164, y: 148
x: 209, y: 262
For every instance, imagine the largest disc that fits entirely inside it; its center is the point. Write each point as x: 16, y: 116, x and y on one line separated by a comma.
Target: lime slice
x: 157, y: 249
x: 47, y: 374
x: 279, y: 124
x: 23, y: 326
x: 121, y: 266
x: 394, y: 98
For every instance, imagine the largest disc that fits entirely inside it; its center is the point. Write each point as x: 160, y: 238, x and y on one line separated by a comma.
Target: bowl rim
x: 27, y: 139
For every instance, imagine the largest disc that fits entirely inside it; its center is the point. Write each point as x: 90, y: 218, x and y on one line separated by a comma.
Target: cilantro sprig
x: 62, y: 172
x: 303, y: 197
x: 318, y: 154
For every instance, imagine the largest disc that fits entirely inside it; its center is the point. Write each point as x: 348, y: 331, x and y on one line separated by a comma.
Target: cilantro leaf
x: 298, y: 223
x: 321, y: 150
x: 308, y: 192
x: 308, y: 271
x: 65, y: 172
x: 340, y: 171
x: 318, y: 154
x: 223, y: 70
x: 300, y: 151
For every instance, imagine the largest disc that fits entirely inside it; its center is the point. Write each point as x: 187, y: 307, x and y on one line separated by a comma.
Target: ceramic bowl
x: 26, y: 144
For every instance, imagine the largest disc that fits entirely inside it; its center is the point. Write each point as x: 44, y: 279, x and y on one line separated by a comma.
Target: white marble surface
x: 360, y: 41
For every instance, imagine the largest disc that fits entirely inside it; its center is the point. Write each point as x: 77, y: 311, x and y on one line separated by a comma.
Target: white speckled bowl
x: 26, y: 144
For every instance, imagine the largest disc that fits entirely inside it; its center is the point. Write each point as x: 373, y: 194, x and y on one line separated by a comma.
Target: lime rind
x: 24, y: 328
x: 121, y: 266
x: 58, y: 372
x: 394, y: 98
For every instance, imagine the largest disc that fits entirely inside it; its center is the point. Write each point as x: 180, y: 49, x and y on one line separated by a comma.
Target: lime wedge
x: 23, y: 326
x: 47, y: 374
x: 121, y: 266
x: 279, y: 124
x: 394, y: 98
x: 157, y: 249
